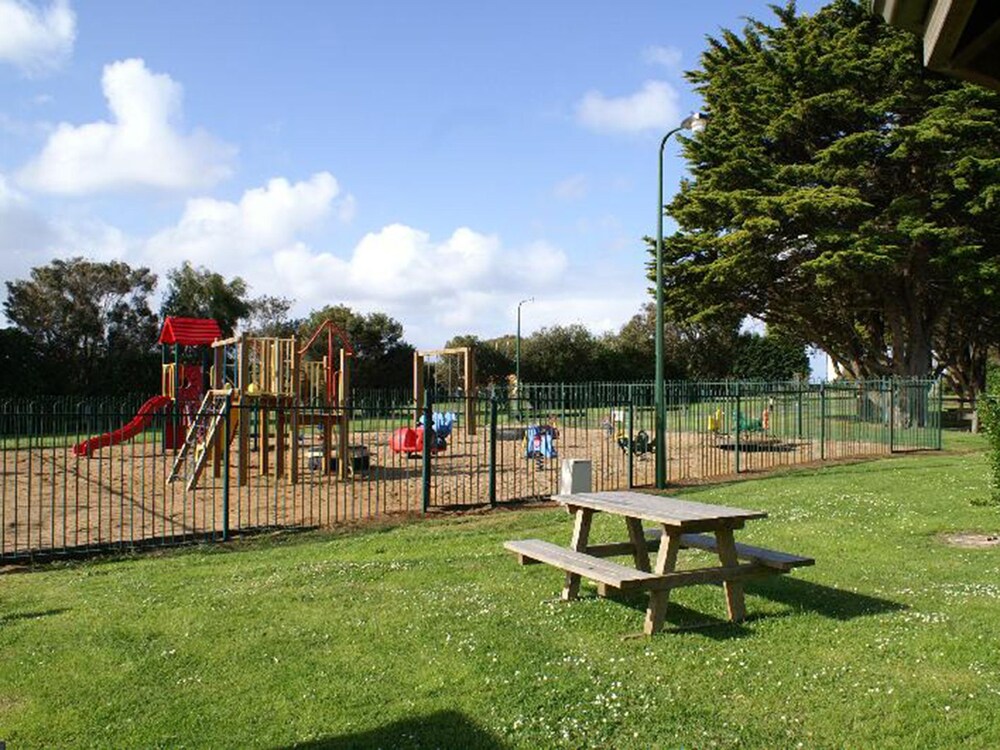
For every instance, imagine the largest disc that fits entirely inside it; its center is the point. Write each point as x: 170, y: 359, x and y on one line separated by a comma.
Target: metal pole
x: 493, y: 452
x: 660, y: 418
x: 225, y: 466
x: 822, y: 421
x: 517, y: 346
x: 631, y: 440
x: 892, y: 415
x: 427, y: 432
x: 738, y: 420
x: 517, y: 351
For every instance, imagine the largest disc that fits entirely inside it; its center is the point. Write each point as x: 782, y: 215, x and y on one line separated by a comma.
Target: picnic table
x: 680, y: 524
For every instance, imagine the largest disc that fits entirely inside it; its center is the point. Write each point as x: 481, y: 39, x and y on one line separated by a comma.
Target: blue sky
x: 438, y: 161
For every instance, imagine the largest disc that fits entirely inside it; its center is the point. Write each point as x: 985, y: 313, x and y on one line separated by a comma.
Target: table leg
x: 666, y: 562
x: 581, y: 533
x: 638, y: 539
x: 735, y: 604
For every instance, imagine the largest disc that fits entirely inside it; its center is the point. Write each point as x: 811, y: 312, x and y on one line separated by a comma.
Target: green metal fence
x: 53, y: 501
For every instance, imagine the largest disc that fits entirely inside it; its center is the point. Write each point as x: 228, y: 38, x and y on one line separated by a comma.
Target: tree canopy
x: 202, y: 293
x: 90, y: 321
x: 842, y: 193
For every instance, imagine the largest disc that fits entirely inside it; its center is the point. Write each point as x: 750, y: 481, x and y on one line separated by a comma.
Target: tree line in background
x: 84, y: 327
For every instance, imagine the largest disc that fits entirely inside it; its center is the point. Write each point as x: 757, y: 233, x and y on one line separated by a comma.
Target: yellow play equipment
x: 270, y: 388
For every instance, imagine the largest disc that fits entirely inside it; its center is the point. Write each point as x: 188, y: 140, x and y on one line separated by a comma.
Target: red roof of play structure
x: 190, y: 331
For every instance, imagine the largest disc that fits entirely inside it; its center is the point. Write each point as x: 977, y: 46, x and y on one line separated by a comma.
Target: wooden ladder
x: 200, y: 438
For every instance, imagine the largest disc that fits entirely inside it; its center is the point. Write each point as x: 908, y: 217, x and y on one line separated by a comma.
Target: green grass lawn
x: 428, y: 634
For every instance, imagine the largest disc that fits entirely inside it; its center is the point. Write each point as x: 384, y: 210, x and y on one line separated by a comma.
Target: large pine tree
x: 843, y: 194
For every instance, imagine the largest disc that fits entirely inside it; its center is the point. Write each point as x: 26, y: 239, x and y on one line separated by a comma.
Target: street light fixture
x: 695, y: 123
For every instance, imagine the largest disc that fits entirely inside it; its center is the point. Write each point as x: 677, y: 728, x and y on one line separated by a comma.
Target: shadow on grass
x: 14, y: 616
x: 798, y: 595
x: 441, y: 729
x: 681, y: 619
x: 805, y: 596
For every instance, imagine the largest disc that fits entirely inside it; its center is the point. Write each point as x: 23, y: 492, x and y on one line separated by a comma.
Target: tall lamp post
x: 517, y: 345
x: 695, y: 123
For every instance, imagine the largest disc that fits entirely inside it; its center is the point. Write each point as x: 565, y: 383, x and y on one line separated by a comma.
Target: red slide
x: 139, y: 423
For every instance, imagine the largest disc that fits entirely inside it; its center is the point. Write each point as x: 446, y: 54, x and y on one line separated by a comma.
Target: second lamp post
x: 695, y: 123
x: 517, y: 345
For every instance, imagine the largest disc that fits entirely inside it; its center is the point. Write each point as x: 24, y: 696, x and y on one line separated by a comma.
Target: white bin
x: 575, y: 477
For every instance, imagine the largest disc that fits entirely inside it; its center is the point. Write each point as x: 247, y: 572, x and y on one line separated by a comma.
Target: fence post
x: 739, y: 418
x: 822, y: 421
x: 940, y: 412
x: 225, y: 464
x: 800, y: 409
x: 493, y: 452
x: 425, y: 474
x: 892, y: 416
x: 631, y: 439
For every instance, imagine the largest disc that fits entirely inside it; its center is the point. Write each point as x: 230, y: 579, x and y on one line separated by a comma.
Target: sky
x: 437, y: 161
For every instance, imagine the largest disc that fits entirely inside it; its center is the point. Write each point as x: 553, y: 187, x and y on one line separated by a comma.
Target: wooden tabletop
x: 670, y: 511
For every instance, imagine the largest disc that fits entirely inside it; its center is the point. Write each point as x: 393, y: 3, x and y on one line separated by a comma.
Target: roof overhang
x: 961, y: 37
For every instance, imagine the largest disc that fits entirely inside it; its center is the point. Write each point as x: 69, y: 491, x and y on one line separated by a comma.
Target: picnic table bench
x: 678, y: 525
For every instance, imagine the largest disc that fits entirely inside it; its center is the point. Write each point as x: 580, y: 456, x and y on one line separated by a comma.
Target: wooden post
x: 327, y: 440
x: 279, y: 438
x: 293, y: 404
x: 243, y: 460
x: 666, y: 562
x: 263, y: 440
x: 734, y: 590
x: 418, y: 386
x: 470, y: 391
x: 638, y: 539
x: 581, y: 534
x: 293, y: 472
x: 218, y: 375
x: 227, y: 412
x: 217, y: 445
x: 344, y: 460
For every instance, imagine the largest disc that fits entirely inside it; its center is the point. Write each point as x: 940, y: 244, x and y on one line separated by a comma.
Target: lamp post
x: 695, y: 123
x: 517, y: 345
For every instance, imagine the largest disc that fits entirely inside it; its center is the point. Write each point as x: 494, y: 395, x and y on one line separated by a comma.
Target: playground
x: 254, y: 433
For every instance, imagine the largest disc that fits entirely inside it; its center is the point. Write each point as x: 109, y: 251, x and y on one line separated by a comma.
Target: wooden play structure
x: 468, y: 378
x: 264, y: 390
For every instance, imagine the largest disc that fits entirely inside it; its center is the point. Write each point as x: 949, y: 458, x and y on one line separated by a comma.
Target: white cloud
x: 141, y: 146
x: 36, y: 40
x: 218, y: 233
x: 403, y: 268
x: 465, y: 282
x: 668, y: 57
x: 572, y: 188
x: 653, y: 107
